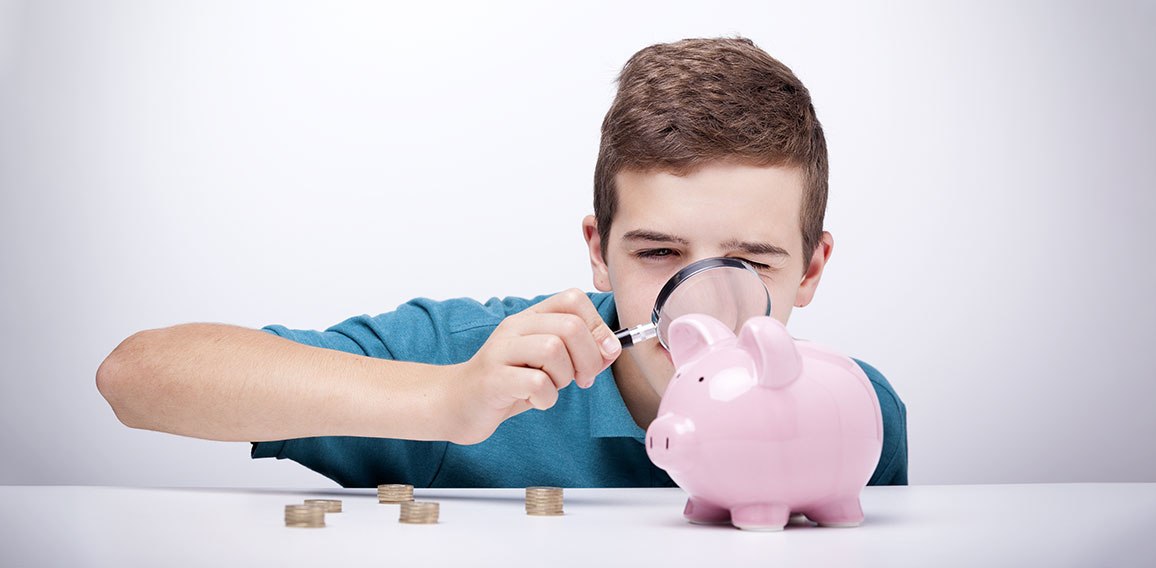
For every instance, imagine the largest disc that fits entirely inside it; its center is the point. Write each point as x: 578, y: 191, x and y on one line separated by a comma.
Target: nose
x: 658, y: 443
x: 668, y: 442
x: 663, y: 443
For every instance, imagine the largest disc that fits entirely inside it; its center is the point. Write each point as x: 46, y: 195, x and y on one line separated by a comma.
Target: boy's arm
x: 230, y: 383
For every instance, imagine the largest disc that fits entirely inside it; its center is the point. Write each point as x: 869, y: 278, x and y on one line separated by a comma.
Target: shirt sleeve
x: 421, y: 330
x: 892, y: 467
x: 413, y: 332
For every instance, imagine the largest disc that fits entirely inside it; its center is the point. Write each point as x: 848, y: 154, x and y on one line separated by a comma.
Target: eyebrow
x: 645, y: 235
x: 755, y: 248
x: 733, y: 244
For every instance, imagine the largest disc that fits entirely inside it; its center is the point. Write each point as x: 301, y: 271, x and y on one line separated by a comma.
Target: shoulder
x: 465, y: 314
x: 424, y: 329
x: 892, y: 467
x: 458, y: 327
x: 883, y: 388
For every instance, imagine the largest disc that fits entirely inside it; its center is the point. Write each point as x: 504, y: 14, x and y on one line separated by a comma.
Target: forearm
x: 229, y: 383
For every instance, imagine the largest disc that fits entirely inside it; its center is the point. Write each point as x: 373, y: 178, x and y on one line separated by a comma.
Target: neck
x: 639, y: 396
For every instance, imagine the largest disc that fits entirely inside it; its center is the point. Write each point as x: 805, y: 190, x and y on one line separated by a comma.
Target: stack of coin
x: 419, y: 512
x: 394, y: 493
x: 544, y: 501
x: 330, y: 505
x: 310, y: 516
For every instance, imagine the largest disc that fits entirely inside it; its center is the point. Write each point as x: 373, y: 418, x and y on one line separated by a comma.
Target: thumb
x: 610, y: 345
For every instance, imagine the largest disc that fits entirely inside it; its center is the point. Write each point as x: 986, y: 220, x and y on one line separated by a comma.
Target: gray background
x: 298, y: 163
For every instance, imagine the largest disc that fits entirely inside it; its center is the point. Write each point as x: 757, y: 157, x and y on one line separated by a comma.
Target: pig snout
x: 671, y: 442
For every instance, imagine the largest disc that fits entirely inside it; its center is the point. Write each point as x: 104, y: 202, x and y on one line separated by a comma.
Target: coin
x: 394, y: 493
x: 544, y: 501
x: 330, y: 505
x: 419, y: 512
x: 309, y: 516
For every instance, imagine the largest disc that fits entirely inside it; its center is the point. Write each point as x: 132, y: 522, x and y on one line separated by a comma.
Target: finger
x: 532, y: 386
x: 575, y: 301
x: 547, y: 353
x: 585, y: 356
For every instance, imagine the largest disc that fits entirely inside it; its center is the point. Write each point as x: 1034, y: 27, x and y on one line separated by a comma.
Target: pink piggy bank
x: 762, y: 426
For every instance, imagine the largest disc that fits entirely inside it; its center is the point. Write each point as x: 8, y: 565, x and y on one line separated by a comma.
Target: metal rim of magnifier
x: 696, y: 267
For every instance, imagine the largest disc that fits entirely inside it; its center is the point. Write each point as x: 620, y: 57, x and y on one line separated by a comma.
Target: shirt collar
x: 609, y: 417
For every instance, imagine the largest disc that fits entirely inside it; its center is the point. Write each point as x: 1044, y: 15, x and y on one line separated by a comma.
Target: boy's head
x: 684, y: 104
x: 711, y: 148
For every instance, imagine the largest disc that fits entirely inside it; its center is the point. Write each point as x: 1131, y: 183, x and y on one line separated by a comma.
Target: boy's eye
x: 757, y: 265
x: 655, y: 253
x: 664, y: 252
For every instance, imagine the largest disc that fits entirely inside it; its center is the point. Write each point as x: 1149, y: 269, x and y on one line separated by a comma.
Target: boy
x: 711, y: 148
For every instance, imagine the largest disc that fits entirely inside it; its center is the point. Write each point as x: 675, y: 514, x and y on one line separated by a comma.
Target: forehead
x: 719, y: 200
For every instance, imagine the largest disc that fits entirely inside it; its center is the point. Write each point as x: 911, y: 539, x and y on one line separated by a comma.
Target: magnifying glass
x: 728, y: 289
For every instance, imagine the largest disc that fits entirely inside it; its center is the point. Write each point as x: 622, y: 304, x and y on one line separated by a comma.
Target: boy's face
x: 664, y: 222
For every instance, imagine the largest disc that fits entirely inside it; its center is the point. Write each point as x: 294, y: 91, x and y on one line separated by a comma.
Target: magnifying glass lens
x: 729, y: 294
x: 728, y: 289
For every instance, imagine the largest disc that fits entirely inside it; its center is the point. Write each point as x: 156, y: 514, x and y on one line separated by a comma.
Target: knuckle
x: 539, y: 380
x: 573, y: 325
x: 573, y: 296
x: 554, y: 346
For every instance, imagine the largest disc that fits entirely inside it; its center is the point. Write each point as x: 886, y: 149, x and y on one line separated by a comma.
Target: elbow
x: 122, y: 378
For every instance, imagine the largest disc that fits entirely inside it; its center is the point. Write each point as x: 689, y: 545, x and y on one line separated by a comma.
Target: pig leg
x: 702, y: 513
x: 760, y: 517
x: 839, y: 513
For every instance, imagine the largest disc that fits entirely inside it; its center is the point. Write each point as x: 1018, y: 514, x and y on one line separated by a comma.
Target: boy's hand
x: 528, y: 358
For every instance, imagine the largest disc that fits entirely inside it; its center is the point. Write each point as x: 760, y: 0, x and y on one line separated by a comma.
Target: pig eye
x: 700, y: 379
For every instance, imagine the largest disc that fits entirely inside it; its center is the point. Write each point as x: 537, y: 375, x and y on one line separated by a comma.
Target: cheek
x: 632, y: 309
x: 634, y: 296
x: 782, y: 300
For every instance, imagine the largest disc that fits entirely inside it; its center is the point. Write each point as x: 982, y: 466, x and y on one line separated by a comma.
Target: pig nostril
x: 652, y: 442
x: 668, y: 443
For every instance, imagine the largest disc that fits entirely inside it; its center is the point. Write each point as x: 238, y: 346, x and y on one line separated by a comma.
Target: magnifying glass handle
x: 637, y: 334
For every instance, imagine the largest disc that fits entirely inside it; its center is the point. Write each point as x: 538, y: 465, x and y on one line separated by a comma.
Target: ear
x: 691, y: 336
x: 773, y: 349
x: 814, y: 272
x: 597, y: 264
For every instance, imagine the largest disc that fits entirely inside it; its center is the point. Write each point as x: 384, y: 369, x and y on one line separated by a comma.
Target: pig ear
x: 773, y: 349
x: 691, y: 336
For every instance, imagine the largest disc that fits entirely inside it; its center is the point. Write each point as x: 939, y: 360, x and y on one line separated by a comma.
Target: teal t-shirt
x: 587, y: 439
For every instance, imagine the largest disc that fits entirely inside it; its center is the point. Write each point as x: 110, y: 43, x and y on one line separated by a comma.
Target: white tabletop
x: 1109, y: 524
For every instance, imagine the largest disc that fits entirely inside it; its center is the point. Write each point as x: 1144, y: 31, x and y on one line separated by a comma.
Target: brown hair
x: 683, y: 104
